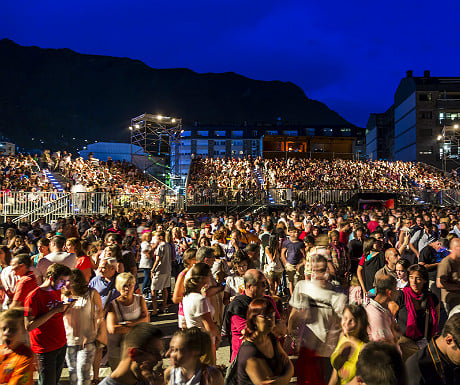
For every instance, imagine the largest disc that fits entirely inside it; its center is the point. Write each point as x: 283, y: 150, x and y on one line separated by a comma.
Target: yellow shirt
x: 348, y: 371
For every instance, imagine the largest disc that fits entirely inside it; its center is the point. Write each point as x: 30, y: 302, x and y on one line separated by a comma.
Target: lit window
x: 202, y: 133
x: 328, y: 131
x: 237, y: 134
x: 220, y: 133
x: 186, y: 133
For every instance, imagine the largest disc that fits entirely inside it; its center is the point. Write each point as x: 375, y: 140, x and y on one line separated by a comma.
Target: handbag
x: 231, y: 376
x: 101, y: 332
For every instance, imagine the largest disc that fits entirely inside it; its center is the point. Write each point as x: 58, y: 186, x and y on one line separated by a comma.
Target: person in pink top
x: 382, y: 325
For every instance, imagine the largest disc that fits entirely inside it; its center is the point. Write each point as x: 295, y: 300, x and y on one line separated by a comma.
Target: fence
x: 31, y: 206
x: 51, y: 205
x: 169, y: 200
x: 284, y: 196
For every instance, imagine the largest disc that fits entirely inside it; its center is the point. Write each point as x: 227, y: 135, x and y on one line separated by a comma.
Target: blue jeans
x: 79, y: 361
x: 147, y: 281
x: 50, y: 366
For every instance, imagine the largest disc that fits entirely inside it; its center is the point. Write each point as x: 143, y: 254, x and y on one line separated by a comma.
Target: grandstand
x: 57, y: 185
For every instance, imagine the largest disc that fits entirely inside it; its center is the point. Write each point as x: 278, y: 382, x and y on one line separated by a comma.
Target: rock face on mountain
x: 55, y: 95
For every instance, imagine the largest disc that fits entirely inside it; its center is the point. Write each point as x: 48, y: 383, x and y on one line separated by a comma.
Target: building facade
x: 426, y: 117
x: 380, y: 136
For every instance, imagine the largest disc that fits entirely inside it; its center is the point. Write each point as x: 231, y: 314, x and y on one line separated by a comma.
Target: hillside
x: 55, y: 95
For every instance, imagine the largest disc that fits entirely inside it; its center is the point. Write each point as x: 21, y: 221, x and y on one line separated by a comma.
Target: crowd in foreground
x: 324, y: 296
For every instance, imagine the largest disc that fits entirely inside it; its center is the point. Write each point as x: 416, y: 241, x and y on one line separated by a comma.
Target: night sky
x: 350, y: 55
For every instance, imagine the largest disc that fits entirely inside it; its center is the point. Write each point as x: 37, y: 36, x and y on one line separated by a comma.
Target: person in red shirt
x: 27, y: 281
x: 16, y: 358
x: 73, y: 245
x: 44, y: 322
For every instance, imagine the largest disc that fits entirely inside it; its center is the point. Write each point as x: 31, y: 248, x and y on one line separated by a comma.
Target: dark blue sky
x: 350, y: 55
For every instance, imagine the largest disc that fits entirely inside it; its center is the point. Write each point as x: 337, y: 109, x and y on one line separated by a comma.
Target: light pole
x: 443, y: 138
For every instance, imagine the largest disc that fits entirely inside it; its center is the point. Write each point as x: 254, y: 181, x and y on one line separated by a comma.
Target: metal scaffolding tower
x: 156, y: 145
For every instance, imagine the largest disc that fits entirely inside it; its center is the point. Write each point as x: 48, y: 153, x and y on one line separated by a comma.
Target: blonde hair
x: 123, y: 279
x: 146, y: 237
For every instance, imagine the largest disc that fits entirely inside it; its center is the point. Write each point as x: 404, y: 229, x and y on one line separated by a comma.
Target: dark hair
x: 273, y: 243
x: 239, y: 257
x: 79, y: 284
x: 197, y: 273
x: 251, y: 248
x: 115, y: 252
x: 423, y: 272
x: 128, y: 242
x: 404, y: 263
x: 195, y: 340
x: 140, y: 336
x: 59, y: 241
x: 368, y: 245
x: 43, y: 242
x: 188, y: 255
x: 383, y: 283
x: 380, y: 363
x: 452, y: 327
x: 257, y: 307
x: 23, y: 259
x: 115, y: 236
x: 57, y: 270
x: 360, y: 315
x: 7, y: 253
x: 207, y: 241
x: 203, y: 253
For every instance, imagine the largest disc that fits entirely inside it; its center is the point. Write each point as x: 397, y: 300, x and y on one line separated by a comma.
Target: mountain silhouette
x: 55, y: 95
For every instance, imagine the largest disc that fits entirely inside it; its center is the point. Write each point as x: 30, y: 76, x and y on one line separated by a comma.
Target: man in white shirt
x: 314, y: 322
x: 57, y: 255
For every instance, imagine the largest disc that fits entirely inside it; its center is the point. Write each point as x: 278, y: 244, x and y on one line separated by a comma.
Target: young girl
x: 354, y: 337
x: 185, y: 350
x: 16, y: 358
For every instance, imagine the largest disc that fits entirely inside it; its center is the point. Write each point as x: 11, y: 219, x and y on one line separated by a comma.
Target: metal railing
x: 32, y: 206
x: 285, y: 196
x: 224, y: 197
x: 169, y: 200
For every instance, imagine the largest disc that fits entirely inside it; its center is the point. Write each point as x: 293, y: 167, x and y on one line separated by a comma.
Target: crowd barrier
x: 284, y: 196
x: 31, y: 206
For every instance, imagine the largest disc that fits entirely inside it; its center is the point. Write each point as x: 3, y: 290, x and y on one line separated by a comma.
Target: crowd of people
x: 307, y: 174
x: 326, y: 295
x: 26, y: 173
